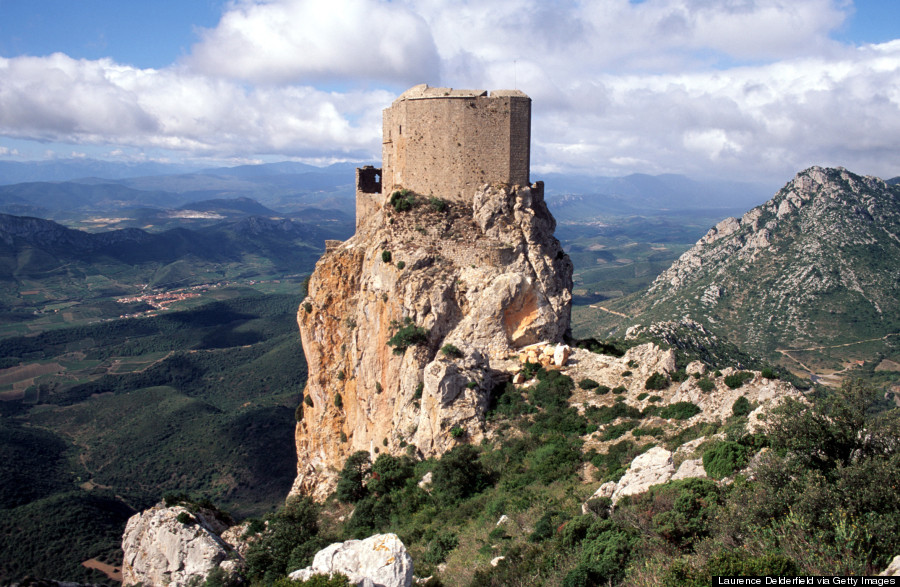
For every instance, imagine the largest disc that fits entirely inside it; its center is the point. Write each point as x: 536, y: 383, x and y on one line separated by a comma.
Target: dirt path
x: 609, y: 311
x: 114, y: 573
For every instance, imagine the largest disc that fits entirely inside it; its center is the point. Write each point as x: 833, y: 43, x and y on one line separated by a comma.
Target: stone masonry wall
x: 448, y: 143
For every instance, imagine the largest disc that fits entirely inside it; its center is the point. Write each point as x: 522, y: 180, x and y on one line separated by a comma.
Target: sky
x: 755, y: 90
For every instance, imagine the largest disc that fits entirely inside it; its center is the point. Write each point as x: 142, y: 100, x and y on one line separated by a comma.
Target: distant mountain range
x: 291, y: 186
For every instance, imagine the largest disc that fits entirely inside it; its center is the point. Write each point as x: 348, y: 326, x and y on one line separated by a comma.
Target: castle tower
x: 448, y: 143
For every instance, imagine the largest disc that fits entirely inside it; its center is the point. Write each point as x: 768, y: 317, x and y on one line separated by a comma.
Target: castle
x: 448, y: 143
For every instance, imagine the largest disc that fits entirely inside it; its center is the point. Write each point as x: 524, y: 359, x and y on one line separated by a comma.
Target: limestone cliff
x: 478, y: 278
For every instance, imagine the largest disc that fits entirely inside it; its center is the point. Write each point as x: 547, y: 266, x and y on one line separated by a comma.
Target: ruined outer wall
x: 448, y: 143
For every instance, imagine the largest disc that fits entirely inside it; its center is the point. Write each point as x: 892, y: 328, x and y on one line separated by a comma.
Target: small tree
x: 351, y: 483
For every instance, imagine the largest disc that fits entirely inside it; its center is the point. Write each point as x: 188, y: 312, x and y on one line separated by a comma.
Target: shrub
x: 456, y: 432
x: 642, y: 396
x: 307, y: 307
x: 458, y: 475
x: 654, y: 399
x: 338, y: 401
x: 587, y: 383
x: 679, y: 376
x: 390, y: 474
x: 298, y: 413
x: 185, y: 518
x: 654, y: 431
x: 308, y: 400
x: 439, y: 547
x: 407, y: 335
x: 656, y: 382
x: 289, y: 543
x: 626, y: 373
x: 437, y: 204
x: 420, y: 387
x: 351, y: 482
x: 620, y: 389
x: 472, y: 384
x: 679, y: 411
x: 386, y: 256
x: 741, y: 407
x: 602, y: 390
x: 617, y: 430
x: 402, y: 200
x: 706, y: 385
x: 401, y: 264
x: 736, y: 380
x: 769, y: 373
x: 530, y: 370
x: 724, y: 458
x: 451, y: 351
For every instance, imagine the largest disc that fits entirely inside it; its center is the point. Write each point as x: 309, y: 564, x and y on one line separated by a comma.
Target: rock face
x: 813, y: 266
x: 486, y: 277
x: 377, y: 561
x: 161, y: 550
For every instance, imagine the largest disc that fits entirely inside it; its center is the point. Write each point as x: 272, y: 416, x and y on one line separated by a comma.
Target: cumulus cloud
x: 752, y: 88
x: 300, y: 41
x: 57, y: 98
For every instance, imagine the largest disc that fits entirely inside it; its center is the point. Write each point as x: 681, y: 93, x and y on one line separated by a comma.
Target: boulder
x: 380, y: 561
x: 162, y: 550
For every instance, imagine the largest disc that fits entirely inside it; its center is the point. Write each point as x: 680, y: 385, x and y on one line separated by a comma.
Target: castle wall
x: 448, y: 143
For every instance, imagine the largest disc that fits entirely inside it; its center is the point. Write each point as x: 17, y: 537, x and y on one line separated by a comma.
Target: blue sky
x: 755, y: 89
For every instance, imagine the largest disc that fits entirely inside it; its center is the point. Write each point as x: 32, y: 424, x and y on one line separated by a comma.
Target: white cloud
x: 7, y: 152
x: 301, y: 41
x: 754, y: 88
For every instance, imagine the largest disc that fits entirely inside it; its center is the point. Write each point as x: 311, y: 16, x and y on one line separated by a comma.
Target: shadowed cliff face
x: 486, y: 277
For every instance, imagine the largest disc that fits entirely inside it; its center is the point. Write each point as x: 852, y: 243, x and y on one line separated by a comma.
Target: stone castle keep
x: 448, y: 143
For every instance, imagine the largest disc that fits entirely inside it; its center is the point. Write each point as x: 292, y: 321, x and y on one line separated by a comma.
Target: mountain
x: 69, y: 196
x: 817, y: 267
x: 575, y: 198
x: 68, y: 169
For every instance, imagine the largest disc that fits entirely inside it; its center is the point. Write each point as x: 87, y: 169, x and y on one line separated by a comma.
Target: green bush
x: 602, y: 390
x: 617, y: 430
x: 402, y: 200
x: 724, y: 458
x: 437, y: 204
x: 439, y: 547
x: 620, y: 389
x: 456, y: 432
x: 706, y: 385
x: 626, y: 373
x: 681, y: 512
x: 185, y: 518
x: 406, y: 336
x: 386, y: 256
x: 654, y: 431
x: 338, y: 401
x: 679, y: 411
x: 390, y: 473
x: 308, y: 400
x: 451, y: 351
x: 588, y: 383
x: 741, y: 407
x: 332, y: 580
x: 351, y: 486
x: 736, y: 380
x: 298, y: 413
x: 289, y: 542
x: 656, y: 382
x: 769, y: 373
x: 679, y: 376
x: 458, y: 475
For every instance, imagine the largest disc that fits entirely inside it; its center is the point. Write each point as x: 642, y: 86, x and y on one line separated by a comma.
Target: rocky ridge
x: 817, y: 264
x: 478, y: 281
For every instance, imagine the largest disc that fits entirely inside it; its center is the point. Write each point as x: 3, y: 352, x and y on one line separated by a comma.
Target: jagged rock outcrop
x: 377, y: 561
x: 161, y: 549
x: 486, y: 278
x: 815, y: 265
